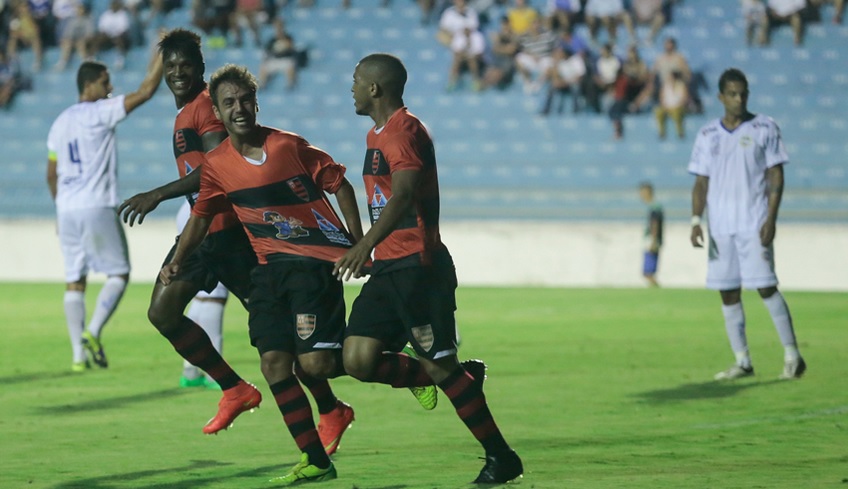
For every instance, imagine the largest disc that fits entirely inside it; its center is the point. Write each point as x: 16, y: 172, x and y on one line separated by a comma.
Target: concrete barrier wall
x: 572, y: 254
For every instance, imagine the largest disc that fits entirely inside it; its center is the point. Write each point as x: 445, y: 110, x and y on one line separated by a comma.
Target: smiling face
x: 236, y: 107
x: 184, y: 76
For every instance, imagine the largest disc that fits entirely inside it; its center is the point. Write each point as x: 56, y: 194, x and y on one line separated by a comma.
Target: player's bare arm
x: 774, y: 182
x: 148, y: 85
x: 404, y: 183
x: 139, y: 205
x: 52, y: 176
x: 191, y: 237
x: 699, y: 203
x: 346, y: 197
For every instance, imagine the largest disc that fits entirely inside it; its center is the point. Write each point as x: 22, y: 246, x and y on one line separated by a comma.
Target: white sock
x: 734, y: 323
x: 210, y: 316
x: 107, y: 300
x: 779, y: 311
x: 75, y: 317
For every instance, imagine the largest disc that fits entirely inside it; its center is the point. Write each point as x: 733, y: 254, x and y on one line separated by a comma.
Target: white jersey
x: 83, y: 141
x: 736, y: 163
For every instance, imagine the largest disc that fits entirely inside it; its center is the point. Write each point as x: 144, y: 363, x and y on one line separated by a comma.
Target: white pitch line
x: 775, y: 419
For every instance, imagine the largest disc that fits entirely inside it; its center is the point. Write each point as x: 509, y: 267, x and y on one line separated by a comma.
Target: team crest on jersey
x: 305, y: 325
x: 296, y: 184
x: 423, y: 336
x: 745, y: 141
x: 287, y: 227
x: 375, y: 161
x: 330, y: 230
x: 180, y: 141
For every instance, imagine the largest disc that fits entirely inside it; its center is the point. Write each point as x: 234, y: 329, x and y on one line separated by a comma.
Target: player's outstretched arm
x: 191, y: 237
x: 774, y: 182
x: 139, y: 205
x: 699, y: 203
x: 346, y: 197
x: 148, y: 85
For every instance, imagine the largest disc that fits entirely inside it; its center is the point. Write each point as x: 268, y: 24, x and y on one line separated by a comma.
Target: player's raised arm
x: 139, y: 205
x: 148, y: 85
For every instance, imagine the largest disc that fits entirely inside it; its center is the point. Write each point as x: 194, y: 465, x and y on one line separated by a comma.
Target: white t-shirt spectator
x: 471, y: 44
x: 454, y: 22
x: 114, y: 23
x: 785, y: 8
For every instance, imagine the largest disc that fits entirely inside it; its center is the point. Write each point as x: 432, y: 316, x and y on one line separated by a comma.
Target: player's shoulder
x: 218, y: 152
x: 200, y: 105
x: 762, y: 121
x: 280, y: 137
x: 712, y: 126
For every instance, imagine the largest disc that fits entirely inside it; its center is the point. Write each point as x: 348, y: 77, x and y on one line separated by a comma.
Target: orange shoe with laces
x: 243, y: 397
x: 331, y: 426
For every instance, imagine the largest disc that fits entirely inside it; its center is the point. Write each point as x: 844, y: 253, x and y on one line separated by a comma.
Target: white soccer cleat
x: 793, y: 369
x: 735, y: 372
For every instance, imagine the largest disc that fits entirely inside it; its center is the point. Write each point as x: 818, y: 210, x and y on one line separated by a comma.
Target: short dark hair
x: 731, y: 75
x: 230, y: 73
x: 646, y: 185
x: 89, y: 71
x: 387, y: 70
x: 185, y: 42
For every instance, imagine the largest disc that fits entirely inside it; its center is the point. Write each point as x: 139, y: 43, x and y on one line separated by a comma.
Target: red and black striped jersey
x: 403, y: 144
x: 194, y: 120
x: 281, y: 201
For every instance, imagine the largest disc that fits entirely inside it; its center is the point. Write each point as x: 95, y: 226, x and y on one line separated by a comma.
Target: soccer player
x: 738, y: 163
x: 277, y: 183
x: 653, y: 233
x: 82, y: 176
x: 411, y: 291
x: 225, y: 255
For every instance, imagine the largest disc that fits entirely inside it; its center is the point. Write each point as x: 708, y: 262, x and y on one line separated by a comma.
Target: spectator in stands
x: 603, y: 77
x: 521, y: 17
x: 754, y: 13
x: 534, y: 57
x: 24, y: 30
x: 782, y: 12
x: 468, y: 48
x: 41, y: 12
x: 78, y: 35
x: 609, y: 13
x: 674, y: 97
x: 10, y: 81
x: 281, y: 56
x: 573, y: 42
x: 666, y: 63
x: 135, y: 34
x: 500, y: 66
x: 247, y: 12
x: 563, y: 14
x: 113, y: 29
x: 654, y: 13
x: 213, y: 18
x: 454, y: 20
x: 158, y: 11
x: 838, y: 8
x: 62, y: 11
x: 629, y: 85
x: 566, y: 75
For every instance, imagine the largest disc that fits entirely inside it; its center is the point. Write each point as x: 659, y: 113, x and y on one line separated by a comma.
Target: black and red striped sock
x: 193, y: 344
x: 297, y: 413
x: 320, y: 389
x: 470, y: 403
x: 399, y: 370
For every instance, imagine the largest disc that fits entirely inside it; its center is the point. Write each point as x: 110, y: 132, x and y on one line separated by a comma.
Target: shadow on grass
x: 34, y: 377
x: 107, y: 403
x: 260, y: 475
x: 699, y: 391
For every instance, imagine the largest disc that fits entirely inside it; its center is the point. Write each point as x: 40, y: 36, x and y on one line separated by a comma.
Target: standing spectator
x: 521, y: 17
x: 78, y: 35
x: 783, y: 12
x: 534, y: 57
x: 280, y: 56
x: 24, y: 30
x: 754, y: 13
x: 500, y: 67
x: 738, y: 164
x: 654, y: 13
x: 653, y: 233
x: 608, y: 13
x: 628, y: 87
x: 468, y: 48
x: 454, y: 20
x: 113, y: 29
x: 82, y: 177
x: 674, y: 98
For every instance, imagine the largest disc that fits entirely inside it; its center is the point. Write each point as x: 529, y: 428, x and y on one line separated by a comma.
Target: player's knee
x: 162, y: 319
x: 276, y: 366
x: 358, y: 366
x: 321, y: 365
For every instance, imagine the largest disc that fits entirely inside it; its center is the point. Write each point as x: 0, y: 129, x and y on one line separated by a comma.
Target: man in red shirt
x: 276, y: 183
x: 411, y: 292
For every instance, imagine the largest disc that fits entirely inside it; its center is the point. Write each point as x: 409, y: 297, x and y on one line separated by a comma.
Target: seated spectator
x: 500, y: 66
x: 754, y: 13
x: 213, y: 18
x: 247, y: 12
x: 62, y: 11
x: 534, y: 56
x: 113, y: 29
x: 157, y: 12
x: 609, y: 13
x: 41, y: 11
x: 566, y: 76
x: 667, y: 62
x: 573, y: 42
x: 674, y: 97
x: 631, y: 82
x: 780, y: 12
x: 11, y: 81
x: 838, y: 8
x: 521, y: 17
x: 78, y: 35
x: 280, y: 56
x: 563, y: 14
x: 24, y: 30
x: 604, y: 76
x: 468, y: 48
x: 456, y: 19
x: 654, y: 13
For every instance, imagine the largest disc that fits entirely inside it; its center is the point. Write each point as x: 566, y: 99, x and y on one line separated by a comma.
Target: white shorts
x: 740, y: 261
x: 92, y: 240
x: 604, y: 8
x: 534, y: 64
x: 219, y: 292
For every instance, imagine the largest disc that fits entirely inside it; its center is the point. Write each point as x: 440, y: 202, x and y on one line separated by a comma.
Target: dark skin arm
x: 404, y: 183
x: 346, y: 197
x: 52, y: 177
x: 148, y: 85
x: 774, y: 180
x: 191, y: 237
x: 699, y: 203
x: 139, y: 205
x: 655, y: 234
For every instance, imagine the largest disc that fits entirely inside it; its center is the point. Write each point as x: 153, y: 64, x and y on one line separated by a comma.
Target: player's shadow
x: 101, y: 404
x: 698, y: 391
x: 34, y: 377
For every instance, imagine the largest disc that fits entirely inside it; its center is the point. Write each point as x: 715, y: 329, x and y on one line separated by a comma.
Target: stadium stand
x: 498, y: 158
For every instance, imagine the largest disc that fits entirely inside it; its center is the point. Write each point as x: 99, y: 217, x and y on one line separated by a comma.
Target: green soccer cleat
x: 94, y: 349
x: 305, y: 472
x: 427, y: 396
x: 78, y: 367
x: 187, y: 383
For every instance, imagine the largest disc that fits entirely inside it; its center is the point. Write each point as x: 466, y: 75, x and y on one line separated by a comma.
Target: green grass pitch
x: 606, y: 388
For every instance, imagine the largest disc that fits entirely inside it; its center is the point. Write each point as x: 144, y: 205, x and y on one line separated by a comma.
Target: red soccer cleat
x: 331, y: 426
x: 243, y: 397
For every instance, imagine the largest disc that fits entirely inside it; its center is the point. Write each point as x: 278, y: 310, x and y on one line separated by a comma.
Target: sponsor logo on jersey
x: 378, y: 201
x: 287, y: 227
x: 745, y: 141
x: 298, y: 188
x: 330, y: 230
x: 305, y: 325
x: 423, y: 336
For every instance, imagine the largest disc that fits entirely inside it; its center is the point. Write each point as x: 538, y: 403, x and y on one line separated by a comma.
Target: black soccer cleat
x: 477, y: 369
x: 500, y: 468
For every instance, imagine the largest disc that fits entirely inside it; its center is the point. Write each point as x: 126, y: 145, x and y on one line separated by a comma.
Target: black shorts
x: 415, y: 304
x: 297, y: 306
x: 225, y: 256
